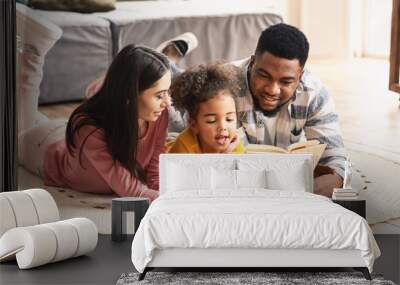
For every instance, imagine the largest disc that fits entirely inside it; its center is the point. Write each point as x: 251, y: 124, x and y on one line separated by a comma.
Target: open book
x: 313, y: 146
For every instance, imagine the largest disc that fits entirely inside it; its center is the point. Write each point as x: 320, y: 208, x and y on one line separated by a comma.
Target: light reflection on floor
x: 369, y: 113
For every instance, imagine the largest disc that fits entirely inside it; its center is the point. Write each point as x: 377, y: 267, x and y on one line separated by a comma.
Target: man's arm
x: 322, y: 124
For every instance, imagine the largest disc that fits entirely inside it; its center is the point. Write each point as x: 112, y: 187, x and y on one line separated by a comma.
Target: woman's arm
x: 152, y: 170
x: 118, y: 178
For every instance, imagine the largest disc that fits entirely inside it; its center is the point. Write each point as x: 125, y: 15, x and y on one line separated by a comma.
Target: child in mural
x: 206, y: 93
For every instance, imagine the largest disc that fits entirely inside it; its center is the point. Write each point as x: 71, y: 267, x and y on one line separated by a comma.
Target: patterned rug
x: 243, y: 278
x: 377, y: 178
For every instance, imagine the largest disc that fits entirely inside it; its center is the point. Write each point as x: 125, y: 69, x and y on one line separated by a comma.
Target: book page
x: 315, y: 150
x: 304, y: 144
x: 256, y: 148
x: 313, y: 147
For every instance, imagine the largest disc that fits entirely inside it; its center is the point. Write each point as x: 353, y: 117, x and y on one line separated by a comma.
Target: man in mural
x: 283, y: 103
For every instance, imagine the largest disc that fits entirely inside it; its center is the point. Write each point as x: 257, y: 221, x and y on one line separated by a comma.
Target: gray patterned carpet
x: 243, y: 278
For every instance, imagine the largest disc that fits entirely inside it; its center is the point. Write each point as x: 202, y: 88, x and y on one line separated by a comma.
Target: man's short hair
x: 284, y: 41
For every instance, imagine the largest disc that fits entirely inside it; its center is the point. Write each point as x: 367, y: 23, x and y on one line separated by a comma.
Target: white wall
x: 291, y: 12
x: 377, y: 23
x: 341, y: 29
x: 357, y: 17
x: 325, y: 23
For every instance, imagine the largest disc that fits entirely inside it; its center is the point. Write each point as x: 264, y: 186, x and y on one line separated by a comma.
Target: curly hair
x: 284, y: 41
x: 202, y: 83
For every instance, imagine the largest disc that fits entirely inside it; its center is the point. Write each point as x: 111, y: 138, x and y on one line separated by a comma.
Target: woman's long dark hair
x: 114, y: 108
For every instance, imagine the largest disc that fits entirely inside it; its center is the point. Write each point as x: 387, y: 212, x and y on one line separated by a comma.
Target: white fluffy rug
x: 95, y: 207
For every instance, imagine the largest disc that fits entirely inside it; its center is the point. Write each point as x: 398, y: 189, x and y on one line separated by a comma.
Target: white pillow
x: 251, y: 179
x: 189, y: 177
x: 285, y: 173
x: 228, y: 179
x: 224, y: 179
x: 290, y: 177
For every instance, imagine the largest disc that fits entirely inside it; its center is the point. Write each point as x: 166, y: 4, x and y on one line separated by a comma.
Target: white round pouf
x: 46, y: 207
x: 22, y: 207
x: 7, y: 220
x: 41, y: 244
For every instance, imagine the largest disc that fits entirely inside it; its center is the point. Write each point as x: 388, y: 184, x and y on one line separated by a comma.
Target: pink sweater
x: 99, y: 173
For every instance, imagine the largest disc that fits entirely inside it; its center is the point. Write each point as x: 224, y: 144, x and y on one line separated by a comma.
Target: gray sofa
x: 226, y: 30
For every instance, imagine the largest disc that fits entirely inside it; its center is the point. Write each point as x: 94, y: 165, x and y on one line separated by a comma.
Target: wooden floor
x: 369, y: 113
x: 55, y: 111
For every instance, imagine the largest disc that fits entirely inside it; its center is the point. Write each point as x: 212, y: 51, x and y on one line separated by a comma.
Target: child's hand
x: 232, y: 144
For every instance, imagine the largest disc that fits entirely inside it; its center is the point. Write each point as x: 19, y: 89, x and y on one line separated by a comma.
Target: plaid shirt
x: 309, y: 115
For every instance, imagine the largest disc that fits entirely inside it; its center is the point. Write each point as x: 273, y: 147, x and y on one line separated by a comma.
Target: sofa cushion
x: 82, y: 6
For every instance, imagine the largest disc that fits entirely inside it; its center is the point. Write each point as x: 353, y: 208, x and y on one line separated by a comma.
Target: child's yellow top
x: 187, y: 142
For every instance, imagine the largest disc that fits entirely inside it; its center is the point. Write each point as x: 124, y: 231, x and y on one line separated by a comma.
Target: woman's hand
x: 150, y: 194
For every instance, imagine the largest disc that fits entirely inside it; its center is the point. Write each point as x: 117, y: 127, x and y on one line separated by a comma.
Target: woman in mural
x: 112, y: 141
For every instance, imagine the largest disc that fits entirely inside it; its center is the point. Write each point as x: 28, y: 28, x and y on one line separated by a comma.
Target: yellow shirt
x: 187, y: 142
